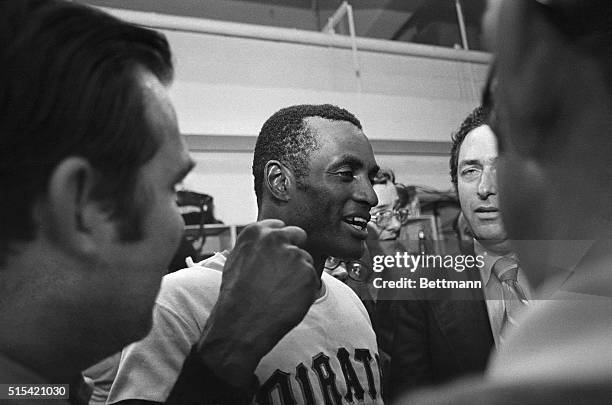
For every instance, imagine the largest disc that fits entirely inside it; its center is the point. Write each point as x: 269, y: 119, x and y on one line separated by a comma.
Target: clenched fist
x: 268, y: 285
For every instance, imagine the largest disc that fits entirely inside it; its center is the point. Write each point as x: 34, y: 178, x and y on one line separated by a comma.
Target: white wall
x: 229, y: 86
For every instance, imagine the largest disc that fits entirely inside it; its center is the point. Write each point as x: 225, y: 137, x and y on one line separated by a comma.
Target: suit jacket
x: 560, y: 351
x: 433, y: 335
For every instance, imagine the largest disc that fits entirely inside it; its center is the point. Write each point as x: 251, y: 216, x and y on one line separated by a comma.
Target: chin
x: 491, y: 233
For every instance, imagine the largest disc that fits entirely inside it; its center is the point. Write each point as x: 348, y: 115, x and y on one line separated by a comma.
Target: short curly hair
x: 477, y: 118
x: 286, y: 138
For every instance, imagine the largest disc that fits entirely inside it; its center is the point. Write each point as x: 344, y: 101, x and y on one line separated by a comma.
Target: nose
x: 365, y: 193
x: 394, y: 224
x: 488, y: 184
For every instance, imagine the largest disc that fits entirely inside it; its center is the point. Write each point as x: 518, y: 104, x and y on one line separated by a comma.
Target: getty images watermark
x: 420, y: 262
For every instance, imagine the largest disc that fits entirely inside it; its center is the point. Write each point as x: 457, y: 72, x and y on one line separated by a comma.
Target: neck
x: 41, y: 327
x: 41, y: 341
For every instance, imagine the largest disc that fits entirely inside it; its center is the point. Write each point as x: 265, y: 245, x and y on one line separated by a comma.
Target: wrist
x: 228, y: 346
x: 198, y: 384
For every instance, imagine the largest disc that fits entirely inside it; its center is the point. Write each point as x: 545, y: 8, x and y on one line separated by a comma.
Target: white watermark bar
x: 34, y: 391
x: 549, y: 270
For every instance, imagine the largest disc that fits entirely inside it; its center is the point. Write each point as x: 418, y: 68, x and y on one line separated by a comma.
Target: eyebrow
x: 348, y: 159
x: 353, y: 161
x: 187, y: 167
x: 468, y: 162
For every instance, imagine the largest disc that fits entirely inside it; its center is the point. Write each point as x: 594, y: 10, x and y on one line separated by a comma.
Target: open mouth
x: 358, y: 223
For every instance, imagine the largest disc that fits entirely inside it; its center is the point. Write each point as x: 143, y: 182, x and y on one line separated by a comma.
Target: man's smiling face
x: 333, y: 201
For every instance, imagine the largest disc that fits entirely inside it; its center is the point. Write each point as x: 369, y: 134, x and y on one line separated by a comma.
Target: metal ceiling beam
x: 246, y: 144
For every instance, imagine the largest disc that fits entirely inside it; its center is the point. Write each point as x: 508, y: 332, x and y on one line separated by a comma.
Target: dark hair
x: 68, y: 87
x: 286, y: 138
x: 476, y: 119
x: 405, y: 194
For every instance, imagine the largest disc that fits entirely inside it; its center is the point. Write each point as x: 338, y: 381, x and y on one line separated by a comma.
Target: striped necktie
x: 515, y: 300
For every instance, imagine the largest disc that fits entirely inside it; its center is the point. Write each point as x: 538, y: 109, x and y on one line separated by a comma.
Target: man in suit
x: 434, y: 336
x: 473, y: 171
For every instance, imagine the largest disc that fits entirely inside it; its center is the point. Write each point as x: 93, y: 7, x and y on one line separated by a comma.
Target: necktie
x: 514, y: 298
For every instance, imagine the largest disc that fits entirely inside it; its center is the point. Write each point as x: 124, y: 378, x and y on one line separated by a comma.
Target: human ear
x: 67, y: 214
x: 279, y: 180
